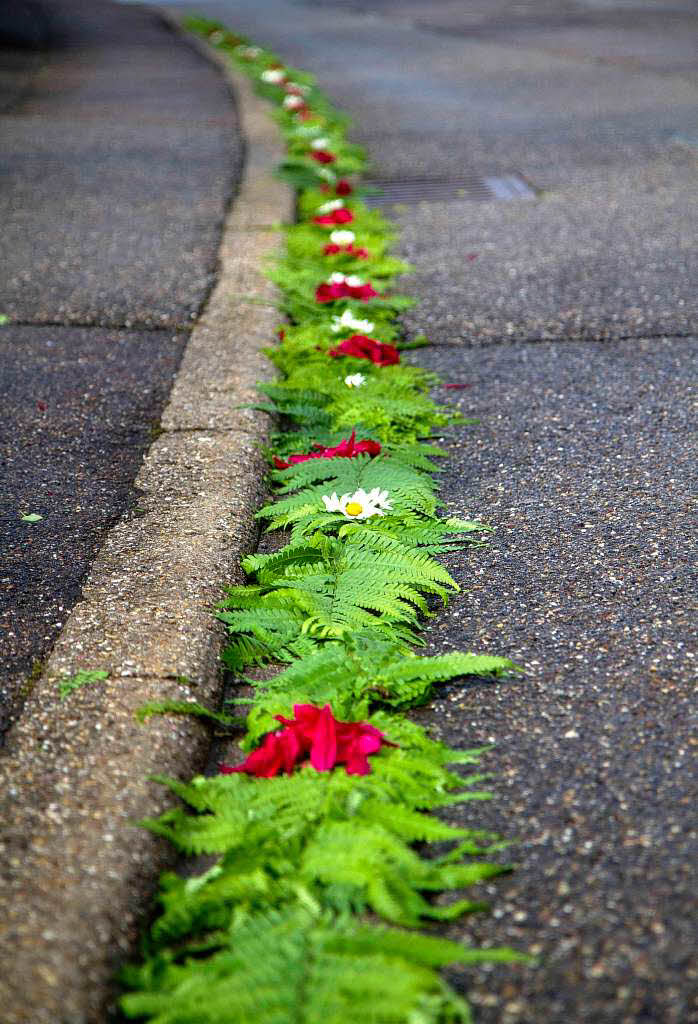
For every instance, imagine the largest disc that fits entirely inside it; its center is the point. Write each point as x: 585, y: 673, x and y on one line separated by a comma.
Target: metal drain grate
x: 439, y: 190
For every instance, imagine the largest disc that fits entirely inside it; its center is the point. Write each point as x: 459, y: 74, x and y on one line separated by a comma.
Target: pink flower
x: 336, y: 217
x: 315, y: 734
x: 323, y: 156
x: 346, y: 449
x: 361, y: 347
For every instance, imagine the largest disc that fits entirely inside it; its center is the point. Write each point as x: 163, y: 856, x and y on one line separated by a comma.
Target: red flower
x: 323, y: 156
x: 330, y: 291
x: 343, y: 188
x: 346, y: 449
x: 336, y: 217
x: 362, y: 347
x: 314, y: 733
x: 331, y: 249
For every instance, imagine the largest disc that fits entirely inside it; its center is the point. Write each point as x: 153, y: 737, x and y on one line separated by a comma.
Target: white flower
x: 336, y: 278
x: 327, y: 173
x: 292, y: 102
x: 320, y: 143
x: 355, y: 380
x: 342, y: 237
x: 347, y: 320
x: 273, y: 75
x: 250, y: 52
x: 331, y: 205
x: 359, y: 505
x: 354, y: 282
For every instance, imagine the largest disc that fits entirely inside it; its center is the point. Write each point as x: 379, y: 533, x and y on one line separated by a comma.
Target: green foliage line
x: 308, y: 912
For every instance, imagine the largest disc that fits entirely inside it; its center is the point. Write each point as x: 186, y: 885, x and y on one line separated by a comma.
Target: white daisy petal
x: 354, y: 282
x: 358, y: 505
x: 355, y: 380
x: 273, y: 76
x: 330, y: 206
x: 348, y: 320
x: 342, y: 237
x: 320, y: 143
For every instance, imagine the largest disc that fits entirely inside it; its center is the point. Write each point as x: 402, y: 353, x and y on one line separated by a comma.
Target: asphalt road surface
x: 120, y: 153
x: 569, y: 320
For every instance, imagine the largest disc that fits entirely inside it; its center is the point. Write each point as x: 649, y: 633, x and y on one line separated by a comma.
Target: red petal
x: 323, y: 753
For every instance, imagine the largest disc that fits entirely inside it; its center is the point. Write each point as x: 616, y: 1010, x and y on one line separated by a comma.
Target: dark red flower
x: 332, y: 249
x: 343, y: 187
x: 346, y: 449
x: 323, y: 156
x: 281, y: 333
x: 336, y: 217
x: 315, y: 734
x: 348, y: 288
x: 362, y: 347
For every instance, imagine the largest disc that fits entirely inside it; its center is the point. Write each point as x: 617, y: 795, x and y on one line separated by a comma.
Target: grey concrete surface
x: 609, y: 250
x: 120, y: 155
x: 77, y: 874
x: 585, y: 461
x: 79, y: 408
x: 583, y: 458
x: 116, y: 168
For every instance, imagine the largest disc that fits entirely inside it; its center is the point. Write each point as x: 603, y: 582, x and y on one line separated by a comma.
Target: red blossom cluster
x: 346, y: 449
x: 335, y: 217
x: 323, y: 156
x: 330, y: 291
x: 343, y: 187
x: 312, y: 734
x: 362, y: 347
x: 358, y: 252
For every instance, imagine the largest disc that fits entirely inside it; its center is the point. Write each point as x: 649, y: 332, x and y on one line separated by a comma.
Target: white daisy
x: 327, y: 173
x: 273, y: 76
x: 355, y: 380
x: 292, y: 102
x: 342, y: 237
x: 354, y: 282
x: 359, y: 505
x: 331, y: 205
x: 336, y: 278
x: 322, y: 143
x: 347, y: 320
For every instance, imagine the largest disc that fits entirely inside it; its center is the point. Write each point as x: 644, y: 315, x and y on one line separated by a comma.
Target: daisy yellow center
x: 354, y: 508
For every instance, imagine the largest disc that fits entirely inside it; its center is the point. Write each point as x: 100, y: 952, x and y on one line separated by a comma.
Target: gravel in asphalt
x: 584, y: 460
x: 116, y: 168
x: 79, y: 408
x: 121, y: 152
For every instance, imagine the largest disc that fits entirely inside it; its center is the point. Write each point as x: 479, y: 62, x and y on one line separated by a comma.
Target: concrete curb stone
x: 74, y: 776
